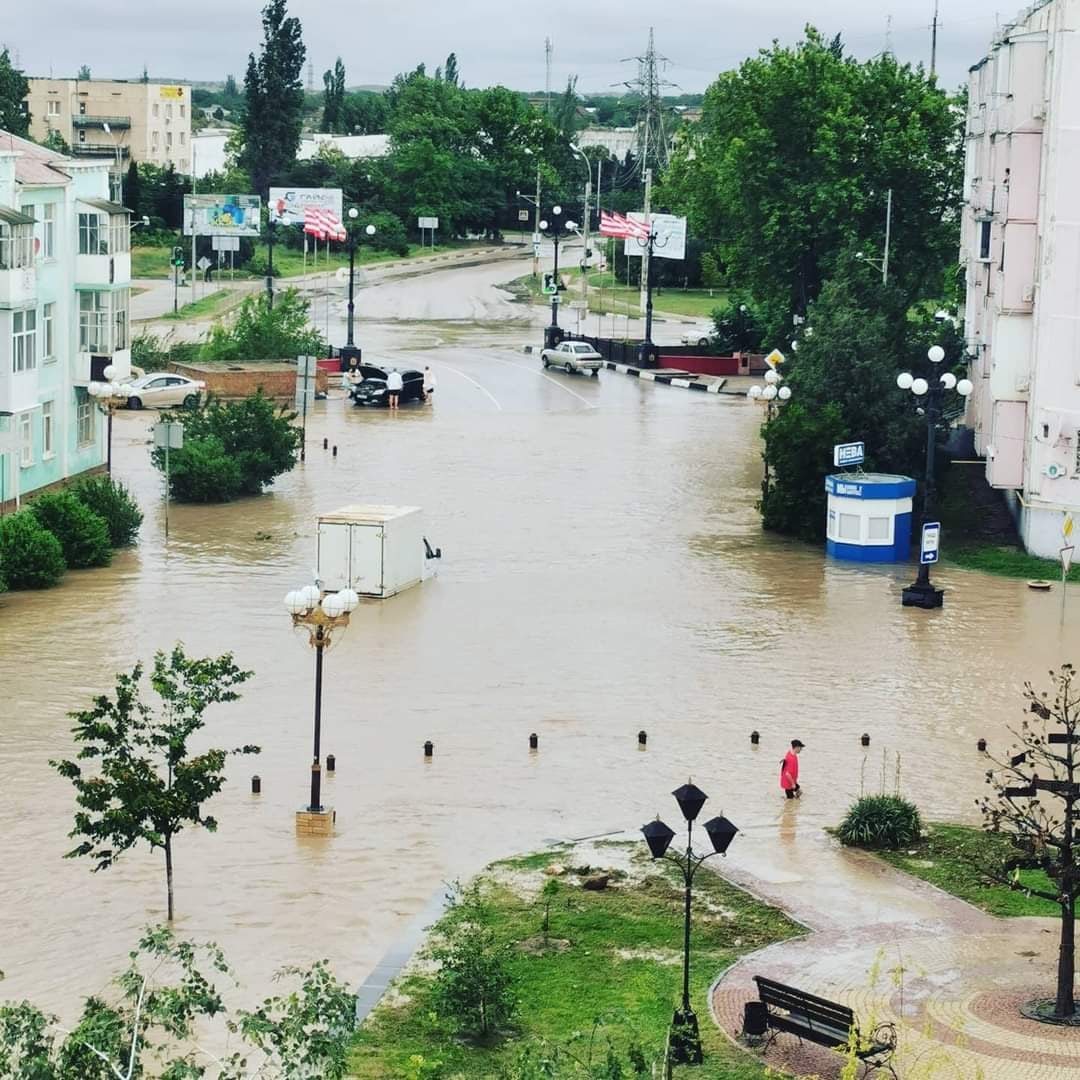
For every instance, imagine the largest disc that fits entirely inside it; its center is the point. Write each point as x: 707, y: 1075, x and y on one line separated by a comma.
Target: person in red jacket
x: 789, y: 771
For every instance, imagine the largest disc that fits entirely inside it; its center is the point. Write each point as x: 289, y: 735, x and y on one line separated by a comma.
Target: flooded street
x: 604, y: 572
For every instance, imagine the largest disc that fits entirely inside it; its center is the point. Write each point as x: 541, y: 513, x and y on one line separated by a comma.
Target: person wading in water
x: 789, y: 771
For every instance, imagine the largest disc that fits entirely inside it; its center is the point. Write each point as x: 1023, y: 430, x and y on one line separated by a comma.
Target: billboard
x: 670, y: 236
x: 222, y: 215
x: 287, y: 205
x: 173, y: 93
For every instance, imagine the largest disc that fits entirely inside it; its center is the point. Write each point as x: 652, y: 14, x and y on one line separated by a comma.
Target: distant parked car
x: 698, y: 335
x: 371, y: 389
x: 159, y: 390
x: 573, y: 356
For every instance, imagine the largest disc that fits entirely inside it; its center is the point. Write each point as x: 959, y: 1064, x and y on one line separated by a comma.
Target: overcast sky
x: 496, y: 41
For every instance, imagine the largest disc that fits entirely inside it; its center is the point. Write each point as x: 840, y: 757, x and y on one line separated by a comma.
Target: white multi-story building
x: 1021, y: 251
x: 65, y: 274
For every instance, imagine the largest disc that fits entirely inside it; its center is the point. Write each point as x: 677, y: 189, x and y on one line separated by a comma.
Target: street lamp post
x: 772, y: 395
x: 350, y: 350
x: 554, y: 229
x: 685, y: 1040
x: 320, y: 613
x: 110, y: 396
x: 648, y: 244
x: 921, y: 593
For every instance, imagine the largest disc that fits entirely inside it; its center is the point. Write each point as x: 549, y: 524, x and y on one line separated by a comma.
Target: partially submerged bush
x: 114, y: 504
x: 30, y: 556
x: 880, y: 821
x: 83, y: 535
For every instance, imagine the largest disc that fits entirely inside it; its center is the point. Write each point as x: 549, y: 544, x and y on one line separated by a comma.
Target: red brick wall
x: 225, y: 383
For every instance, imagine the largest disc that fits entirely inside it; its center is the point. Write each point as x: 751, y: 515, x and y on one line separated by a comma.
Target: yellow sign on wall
x: 173, y: 92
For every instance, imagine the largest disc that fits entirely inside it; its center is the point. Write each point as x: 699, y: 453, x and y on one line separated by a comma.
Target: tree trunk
x: 169, y: 874
x: 1065, y: 1004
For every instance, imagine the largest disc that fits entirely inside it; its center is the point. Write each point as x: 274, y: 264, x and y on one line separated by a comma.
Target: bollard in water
x: 981, y: 745
x: 534, y: 741
x: 429, y: 748
x: 755, y: 737
x: 256, y: 785
x: 642, y: 738
x: 325, y: 443
x: 865, y: 740
x: 335, y: 452
x: 331, y: 763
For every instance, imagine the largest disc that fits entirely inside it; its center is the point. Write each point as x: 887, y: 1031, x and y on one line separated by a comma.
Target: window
x: 183, y: 111
x: 82, y: 108
x: 168, y: 111
x: 23, y: 340
x: 93, y: 235
x: 26, y: 439
x: 154, y: 139
x: 120, y: 319
x: 54, y: 108
x: 168, y: 138
x: 47, y: 450
x: 48, y: 332
x: 849, y: 526
x: 984, y: 240
x: 82, y: 135
x: 879, y: 529
x: 48, y: 231
x: 119, y: 233
x: 181, y: 138
x: 16, y: 246
x: 157, y: 109
x: 84, y: 417
x: 93, y: 322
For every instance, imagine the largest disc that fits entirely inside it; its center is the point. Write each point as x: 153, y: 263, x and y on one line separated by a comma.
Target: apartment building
x: 65, y: 273
x: 1021, y: 252
x: 115, y: 120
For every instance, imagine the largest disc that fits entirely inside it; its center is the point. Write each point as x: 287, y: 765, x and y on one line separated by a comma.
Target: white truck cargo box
x: 376, y: 550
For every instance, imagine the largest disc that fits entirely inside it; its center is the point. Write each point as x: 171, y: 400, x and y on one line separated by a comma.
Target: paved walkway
x: 899, y: 950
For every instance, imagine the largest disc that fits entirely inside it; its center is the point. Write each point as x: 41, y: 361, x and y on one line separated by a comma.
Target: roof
x: 37, y: 165
x: 13, y: 217
x: 106, y: 206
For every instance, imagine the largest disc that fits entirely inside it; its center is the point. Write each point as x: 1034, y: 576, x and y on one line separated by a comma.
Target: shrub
x: 880, y: 821
x: 472, y: 989
x: 149, y: 351
x: 83, y: 535
x: 114, y: 504
x: 231, y: 448
x: 259, y: 332
x: 30, y: 556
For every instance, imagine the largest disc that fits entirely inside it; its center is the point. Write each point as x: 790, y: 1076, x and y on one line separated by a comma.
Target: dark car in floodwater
x: 371, y: 389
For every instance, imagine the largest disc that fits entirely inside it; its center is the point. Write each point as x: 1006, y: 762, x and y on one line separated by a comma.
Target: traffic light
x: 178, y: 256
x: 550, y: 286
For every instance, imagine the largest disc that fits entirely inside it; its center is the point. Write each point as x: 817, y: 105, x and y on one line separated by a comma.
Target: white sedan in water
x: 573, y: 356
x: 163, y: 388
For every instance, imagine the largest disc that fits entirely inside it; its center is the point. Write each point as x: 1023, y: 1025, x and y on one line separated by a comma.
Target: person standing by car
x: 429, y: 384
x: 789, y: 771
x: 393, y: 386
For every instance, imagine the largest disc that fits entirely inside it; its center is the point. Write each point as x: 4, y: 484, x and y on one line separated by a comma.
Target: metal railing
x: 87, y: 149
x: 82, y: 120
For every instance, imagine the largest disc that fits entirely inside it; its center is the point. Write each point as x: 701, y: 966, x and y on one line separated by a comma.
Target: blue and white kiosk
x: 869, y: 516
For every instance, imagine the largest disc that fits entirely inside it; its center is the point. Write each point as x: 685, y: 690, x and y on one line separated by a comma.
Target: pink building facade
x: 1021, y: 253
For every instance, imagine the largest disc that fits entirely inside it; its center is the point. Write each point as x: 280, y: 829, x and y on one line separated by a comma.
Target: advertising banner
x: 287, y: 205
x: 670, y: 236
x: 222, y: 215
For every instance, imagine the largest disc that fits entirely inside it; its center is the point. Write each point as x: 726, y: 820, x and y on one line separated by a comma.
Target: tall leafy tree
x: 450, y: 70
x: 273, y: 98
x: 84, y: 72
x: 333, y: 117
x: 145, y: 783
x: 14, y: 116
x: 133, y: 189
x: 789, y: 169
x: 230, y: 87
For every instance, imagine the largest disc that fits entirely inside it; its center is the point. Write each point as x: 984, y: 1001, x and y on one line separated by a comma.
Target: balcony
x: 103, y: 270
x: 18, y: 280
x: 90, y: 367
x: 117, y: 123
x: 88, y: 149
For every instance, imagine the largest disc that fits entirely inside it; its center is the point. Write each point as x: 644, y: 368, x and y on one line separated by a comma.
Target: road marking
x: 543, y: 375
x: 483, y: 390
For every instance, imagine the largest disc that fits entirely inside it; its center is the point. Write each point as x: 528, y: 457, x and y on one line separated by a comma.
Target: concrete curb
x: 668, y: 380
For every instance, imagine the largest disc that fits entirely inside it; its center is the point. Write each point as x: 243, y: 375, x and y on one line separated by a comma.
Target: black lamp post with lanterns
x: 685, y: 1042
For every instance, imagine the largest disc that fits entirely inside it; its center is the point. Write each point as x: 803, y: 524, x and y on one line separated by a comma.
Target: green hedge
x: 83, y: 535
x: 113, y: 503
x: 30, y: 556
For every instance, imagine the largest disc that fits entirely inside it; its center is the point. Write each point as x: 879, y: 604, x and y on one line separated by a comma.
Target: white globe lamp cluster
x: 103, y: 391
x: 771, y: 391
x: 309, y: 600
x: 919, y: 386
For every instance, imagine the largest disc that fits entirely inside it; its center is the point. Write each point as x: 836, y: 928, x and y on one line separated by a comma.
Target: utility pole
x: 536, y: 225
x: 585, y: 229
x: 646, y: 251
x: 933, y: 39
x: 888, y: 239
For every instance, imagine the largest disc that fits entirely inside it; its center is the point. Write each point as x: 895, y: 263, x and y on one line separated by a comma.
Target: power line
x: 650, y: 140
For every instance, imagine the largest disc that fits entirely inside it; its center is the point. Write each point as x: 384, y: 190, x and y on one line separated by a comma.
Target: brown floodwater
x: 603, y: 572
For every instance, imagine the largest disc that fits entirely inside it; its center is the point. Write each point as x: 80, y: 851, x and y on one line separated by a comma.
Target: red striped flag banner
x: 622, y: 228
x: 322, y: 224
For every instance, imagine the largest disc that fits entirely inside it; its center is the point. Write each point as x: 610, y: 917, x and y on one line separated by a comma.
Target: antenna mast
x: 549, y: 49
x: 933, y: 38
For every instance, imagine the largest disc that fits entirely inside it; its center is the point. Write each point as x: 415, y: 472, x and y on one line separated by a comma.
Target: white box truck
x: 376, y: 550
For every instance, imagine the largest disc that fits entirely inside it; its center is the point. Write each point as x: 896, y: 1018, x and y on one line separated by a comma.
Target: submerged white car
x: 163, y: 388
x: 698, y: 335
x: 573, y: 356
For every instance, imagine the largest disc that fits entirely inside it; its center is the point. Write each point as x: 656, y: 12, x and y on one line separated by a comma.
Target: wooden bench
x: 824, y: 1022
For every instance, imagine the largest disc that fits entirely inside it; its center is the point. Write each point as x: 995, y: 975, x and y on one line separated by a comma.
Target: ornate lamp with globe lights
x: 932, y: 391
x: 109, y: 396
x: 350, y: 350
x: 772, y: 395
x: 321, y: 614
x: 554, y: 228
x: 685, y: 1040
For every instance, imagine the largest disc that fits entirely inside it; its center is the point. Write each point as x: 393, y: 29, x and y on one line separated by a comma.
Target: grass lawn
x: 696, y: 303
x: 1007, y: 561
x: 216, y: 303
x: 614, y: 953
x: 945, y: 857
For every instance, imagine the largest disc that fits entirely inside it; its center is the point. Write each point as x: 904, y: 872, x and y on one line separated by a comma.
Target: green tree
x: 273, y: 98
x: 259, y: 332
x: 163, y: 1002
x: 566, y: 110
x: 30, y: 556
x: 14, y: 115
x: 83, y: 535
x: 133, y: 199
x: 114, y: 504
x: 450, y: 70
x: 231, y: 448
x: 333, y: 116
x: 146, y: 784
x: 789, y: 168
x: 84, y: 73
x: 230, y: 90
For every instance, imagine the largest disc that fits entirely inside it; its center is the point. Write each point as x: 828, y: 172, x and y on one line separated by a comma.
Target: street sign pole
x: 1066, y: 562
